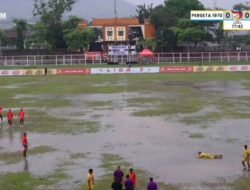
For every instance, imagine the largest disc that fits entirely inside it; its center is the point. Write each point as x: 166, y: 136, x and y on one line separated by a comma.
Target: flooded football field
x: 157, y: 129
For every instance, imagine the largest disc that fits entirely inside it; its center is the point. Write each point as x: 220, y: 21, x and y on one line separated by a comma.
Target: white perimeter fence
x: 159, y: 58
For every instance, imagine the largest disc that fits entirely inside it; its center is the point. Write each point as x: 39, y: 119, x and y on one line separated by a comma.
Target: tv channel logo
x: 3, y: 16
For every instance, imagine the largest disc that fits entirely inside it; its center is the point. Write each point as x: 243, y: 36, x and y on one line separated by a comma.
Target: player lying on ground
x: 209, y: 156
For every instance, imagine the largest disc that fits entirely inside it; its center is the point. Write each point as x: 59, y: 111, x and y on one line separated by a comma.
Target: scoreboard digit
x: 228, y: 15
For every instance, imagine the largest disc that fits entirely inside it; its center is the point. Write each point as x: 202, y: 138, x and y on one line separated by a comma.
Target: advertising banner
x: 125, y: 70
x: 176, y: 69
x: 52, y: 72
x: 210, y: 68
x: 33, y: 72
x: 238, y: 68
x: 84, y: 71
x: 118, y: 50
x: 16, y: 72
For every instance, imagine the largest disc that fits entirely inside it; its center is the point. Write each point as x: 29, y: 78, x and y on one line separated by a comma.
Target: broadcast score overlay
x: 232, y: 19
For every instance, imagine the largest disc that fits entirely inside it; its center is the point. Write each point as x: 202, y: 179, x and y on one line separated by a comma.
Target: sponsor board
x: 52, y: 72
x: 85, y: 71
x: 125, y: 70
x: 33, y: 72
x: 16, y: 72
x: 210, y: 68
x: 176, y: 69
x: 233, y: 68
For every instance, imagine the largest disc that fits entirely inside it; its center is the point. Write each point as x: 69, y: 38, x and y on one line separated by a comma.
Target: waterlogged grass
x: 196, y: 135
x: 99, y: 103
x: 41, y: 150
x: 172, y: 106
x: 25, y: 181
x: 226, y: 108
x: 14, y: 157
x: 174, y: 96
x: 241, y: 183
x: 78, y: 155
x: 42, y: 122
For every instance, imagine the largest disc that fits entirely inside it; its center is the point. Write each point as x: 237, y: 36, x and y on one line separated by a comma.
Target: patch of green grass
x: 25, y: 181
x: 196, y: 135
x: 172, y: 106
x: 41, y: 150
x: 43, y: 123
x: 219, y: 184
x: 205, y: 119
x: 78, y: 155
x: 99, y: 103
x: 14, y: 157
x: 11, y: 157
x: 241, y: 183
x: 138, y: 102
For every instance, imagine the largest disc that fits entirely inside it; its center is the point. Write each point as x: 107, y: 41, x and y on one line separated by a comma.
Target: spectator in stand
x: 116, y: 185
x: 128, y: 183
x: 118, y: 174
x: 21, y: 117
x: 10, y: 117
x: 152, y: 185
x: 132, y: 176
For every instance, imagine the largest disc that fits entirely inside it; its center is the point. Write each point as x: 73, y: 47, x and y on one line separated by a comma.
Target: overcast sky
x: 226, y: 4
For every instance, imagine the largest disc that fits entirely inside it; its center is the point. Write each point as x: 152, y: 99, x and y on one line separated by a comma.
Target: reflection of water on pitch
x: 1, y: 131
x: 10, y: 133
x: 26, y: 165
x: 246, y: 174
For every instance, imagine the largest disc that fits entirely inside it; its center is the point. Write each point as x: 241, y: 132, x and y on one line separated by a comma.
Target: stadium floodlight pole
x: 115, y: 12
x: 247, y: 3
x: 215, y: 4
x: 115, y: 9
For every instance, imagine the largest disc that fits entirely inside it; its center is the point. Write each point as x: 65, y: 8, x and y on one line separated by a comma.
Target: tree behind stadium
x: 169, y: 15
x: 51, y: 12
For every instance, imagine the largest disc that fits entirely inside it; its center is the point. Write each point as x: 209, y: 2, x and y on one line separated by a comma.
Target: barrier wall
x: 125, y: 70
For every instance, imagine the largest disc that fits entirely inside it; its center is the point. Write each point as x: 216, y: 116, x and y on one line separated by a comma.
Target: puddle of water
x: 227, y: 88
x: 20, y: 85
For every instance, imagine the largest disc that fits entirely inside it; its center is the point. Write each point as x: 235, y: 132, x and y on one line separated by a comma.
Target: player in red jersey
x: 10, y: 117
x: 25, y: 144
x: 21, y: 117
